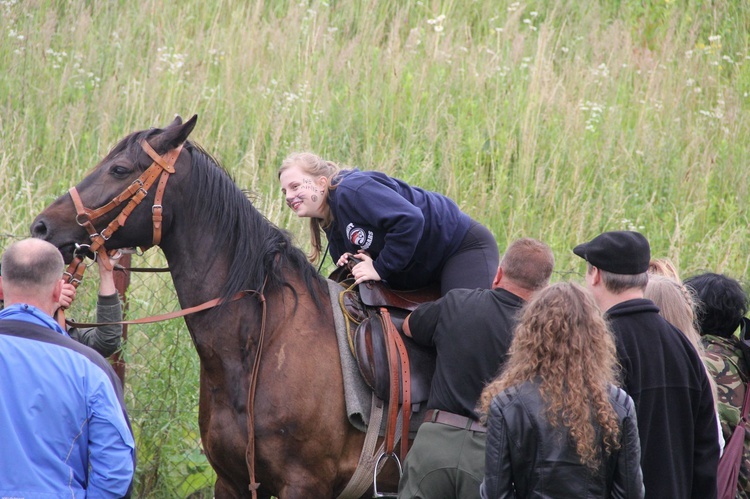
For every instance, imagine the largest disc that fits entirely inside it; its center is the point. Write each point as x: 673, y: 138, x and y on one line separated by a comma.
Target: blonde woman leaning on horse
x: 404, y: 235
x: 558, y: 426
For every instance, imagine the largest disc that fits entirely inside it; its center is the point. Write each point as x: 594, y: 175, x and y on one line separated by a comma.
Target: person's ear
x: 2, y: 296
x: 498, y: 277
x: 596, y: 276
x: 57, y: 292
x: 322, y: 182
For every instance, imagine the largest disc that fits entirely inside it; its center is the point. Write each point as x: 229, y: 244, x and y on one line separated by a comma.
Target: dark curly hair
x: 722, y: 303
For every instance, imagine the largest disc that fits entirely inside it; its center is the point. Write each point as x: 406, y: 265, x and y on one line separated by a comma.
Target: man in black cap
x: 660, y: 370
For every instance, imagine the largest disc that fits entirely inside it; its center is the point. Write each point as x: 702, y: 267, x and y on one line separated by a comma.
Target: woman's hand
x: 343, y: 259
x: 364, y: 270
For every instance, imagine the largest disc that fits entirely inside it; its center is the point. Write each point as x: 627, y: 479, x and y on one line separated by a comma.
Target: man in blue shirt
x: 63, y: 425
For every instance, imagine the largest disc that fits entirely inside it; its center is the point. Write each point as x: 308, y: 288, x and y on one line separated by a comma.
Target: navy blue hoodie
x: 408, y: 231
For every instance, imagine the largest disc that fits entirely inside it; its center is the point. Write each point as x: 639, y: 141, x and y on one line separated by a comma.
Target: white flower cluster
x: 437, y: 23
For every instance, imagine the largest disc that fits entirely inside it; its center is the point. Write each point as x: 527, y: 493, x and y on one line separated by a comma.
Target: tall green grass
x: 551, y: 119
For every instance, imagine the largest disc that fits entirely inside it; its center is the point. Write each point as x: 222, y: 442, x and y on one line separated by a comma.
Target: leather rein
x: 161, y: 167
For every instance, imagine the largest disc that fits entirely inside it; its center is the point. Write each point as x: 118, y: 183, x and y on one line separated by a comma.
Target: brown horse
x: 217, y: 245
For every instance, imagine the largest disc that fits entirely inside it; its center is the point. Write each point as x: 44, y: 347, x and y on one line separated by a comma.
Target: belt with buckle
x: 455, y: 420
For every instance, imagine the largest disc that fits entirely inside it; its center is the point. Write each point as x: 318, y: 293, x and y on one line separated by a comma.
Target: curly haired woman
x: 558, y: 426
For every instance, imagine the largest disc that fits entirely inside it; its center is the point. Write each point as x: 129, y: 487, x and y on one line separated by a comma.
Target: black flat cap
x: 619, y: 252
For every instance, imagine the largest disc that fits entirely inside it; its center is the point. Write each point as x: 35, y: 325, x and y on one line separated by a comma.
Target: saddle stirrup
x: 386, y: 455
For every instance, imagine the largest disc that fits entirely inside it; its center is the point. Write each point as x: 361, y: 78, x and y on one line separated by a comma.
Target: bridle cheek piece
x: 161, y: 167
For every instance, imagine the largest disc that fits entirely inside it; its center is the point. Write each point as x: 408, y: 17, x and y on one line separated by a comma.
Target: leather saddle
x: 370, y: 347
x: 397, y: 369
x: 369, y: 308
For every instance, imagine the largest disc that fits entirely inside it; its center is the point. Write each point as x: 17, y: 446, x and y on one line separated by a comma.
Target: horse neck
x: 198, y: 269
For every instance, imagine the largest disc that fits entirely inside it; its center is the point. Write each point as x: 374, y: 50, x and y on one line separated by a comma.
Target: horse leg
x: 225, y: 490
x: 298, y: 491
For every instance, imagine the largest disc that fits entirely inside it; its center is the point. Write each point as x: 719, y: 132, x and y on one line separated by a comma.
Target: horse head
x: 121, y: 188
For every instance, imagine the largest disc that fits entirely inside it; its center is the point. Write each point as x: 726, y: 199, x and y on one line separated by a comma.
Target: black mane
x: 261, y: 250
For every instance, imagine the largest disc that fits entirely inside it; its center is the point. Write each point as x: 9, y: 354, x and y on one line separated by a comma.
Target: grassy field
x: 555, y: 120
x: 550, y: 119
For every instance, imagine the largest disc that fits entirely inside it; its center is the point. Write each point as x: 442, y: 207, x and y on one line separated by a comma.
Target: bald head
x: 31, y: 273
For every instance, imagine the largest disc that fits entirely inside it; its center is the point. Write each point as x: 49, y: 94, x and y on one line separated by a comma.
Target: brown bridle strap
x: 84, y: 220
x: 134, y: 193
x: 250, y: 409
x: 167, y: 163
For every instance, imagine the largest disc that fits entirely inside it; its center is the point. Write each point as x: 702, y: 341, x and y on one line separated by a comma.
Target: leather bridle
x: 161, y: 167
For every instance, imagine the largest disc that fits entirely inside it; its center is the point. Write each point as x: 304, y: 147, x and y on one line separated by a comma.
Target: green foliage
x: 552, y: 119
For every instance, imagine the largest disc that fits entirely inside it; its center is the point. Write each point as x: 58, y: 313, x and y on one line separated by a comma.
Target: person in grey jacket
x: 557, y: 424
x: 107, y: 337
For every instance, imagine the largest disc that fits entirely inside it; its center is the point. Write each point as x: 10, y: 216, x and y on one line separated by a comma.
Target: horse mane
x: 261, y: 250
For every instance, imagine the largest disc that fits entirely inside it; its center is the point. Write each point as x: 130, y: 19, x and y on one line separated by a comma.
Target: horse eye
x: 120, y: 171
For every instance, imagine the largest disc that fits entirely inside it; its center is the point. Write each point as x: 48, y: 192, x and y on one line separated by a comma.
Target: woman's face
x: 304, y: 193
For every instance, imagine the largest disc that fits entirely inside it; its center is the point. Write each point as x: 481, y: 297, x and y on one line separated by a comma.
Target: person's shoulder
x: 726, y: 369
x: 468, y: 293
x: 350, y: 179
x: 34, y: 332
x: 45, y: 335
x: 516, y: 394
x: 465, y: 298
x: 620, y: 400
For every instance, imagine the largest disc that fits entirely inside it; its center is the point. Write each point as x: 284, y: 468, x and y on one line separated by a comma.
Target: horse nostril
x: 39, y: 229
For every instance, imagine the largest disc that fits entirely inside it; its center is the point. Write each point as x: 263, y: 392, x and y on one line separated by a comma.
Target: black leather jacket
x: 526, y: 457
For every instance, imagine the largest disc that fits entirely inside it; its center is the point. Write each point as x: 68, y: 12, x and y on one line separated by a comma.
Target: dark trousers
x: 474, y: 264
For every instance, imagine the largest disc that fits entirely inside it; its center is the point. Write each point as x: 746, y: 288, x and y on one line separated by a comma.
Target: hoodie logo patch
x: 358, y: 236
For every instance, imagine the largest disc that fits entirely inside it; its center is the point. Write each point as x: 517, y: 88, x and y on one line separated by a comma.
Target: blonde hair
x: 562, y: 342
x: 314, y: 165
x: 677, y: 305
x: 665, y: 267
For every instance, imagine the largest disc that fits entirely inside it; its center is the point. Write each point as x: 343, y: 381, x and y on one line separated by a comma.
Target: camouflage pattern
x: 725, y: 363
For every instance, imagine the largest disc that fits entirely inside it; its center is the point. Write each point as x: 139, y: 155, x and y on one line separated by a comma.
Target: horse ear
x: 176, y: 133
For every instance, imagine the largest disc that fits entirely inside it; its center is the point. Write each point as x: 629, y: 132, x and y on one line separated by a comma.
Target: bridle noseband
x: 161, y: 167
